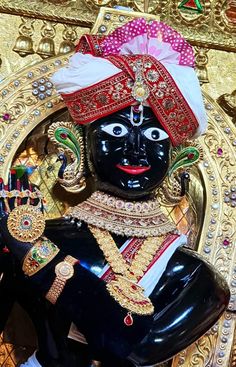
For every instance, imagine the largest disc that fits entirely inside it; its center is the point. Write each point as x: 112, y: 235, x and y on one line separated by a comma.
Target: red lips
x: 133, y: 170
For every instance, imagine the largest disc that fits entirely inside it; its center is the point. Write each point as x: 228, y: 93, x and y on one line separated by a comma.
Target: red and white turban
x: 141, y: 62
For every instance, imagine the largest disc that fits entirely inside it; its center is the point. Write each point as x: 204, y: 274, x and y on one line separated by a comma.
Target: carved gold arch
x: 22, y: 111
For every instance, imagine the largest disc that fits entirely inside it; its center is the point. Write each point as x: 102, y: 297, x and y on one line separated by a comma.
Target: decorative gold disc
x: 26, y: 223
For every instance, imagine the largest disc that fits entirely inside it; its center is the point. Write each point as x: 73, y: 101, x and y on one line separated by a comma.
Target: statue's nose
x: 135, y: 148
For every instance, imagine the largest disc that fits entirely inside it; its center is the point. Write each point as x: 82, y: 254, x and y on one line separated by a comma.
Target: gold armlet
x: 41, y: 253
x: 64, y: 271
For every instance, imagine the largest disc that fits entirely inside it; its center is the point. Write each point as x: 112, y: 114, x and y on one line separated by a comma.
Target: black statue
x: 129, y: 161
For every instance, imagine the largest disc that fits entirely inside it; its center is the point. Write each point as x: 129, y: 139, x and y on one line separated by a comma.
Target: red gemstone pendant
x: 128, y: 320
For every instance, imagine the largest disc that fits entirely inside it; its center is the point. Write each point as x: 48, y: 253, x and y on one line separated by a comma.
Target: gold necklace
x: 127, y: 218
x: 125, y: 288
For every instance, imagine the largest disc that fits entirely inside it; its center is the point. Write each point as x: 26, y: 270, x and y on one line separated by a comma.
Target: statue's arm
x: 77, y: 295
x: 7, y: 284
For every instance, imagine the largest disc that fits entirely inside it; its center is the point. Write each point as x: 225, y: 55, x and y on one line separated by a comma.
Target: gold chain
x: 124, y: 288
x: 110, y: 250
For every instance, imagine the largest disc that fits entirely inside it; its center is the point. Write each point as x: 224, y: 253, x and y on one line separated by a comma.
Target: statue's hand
x: 20, y: 209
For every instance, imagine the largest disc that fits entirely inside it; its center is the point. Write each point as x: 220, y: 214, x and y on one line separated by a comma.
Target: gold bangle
x: 40, y: 254
x: 64, y: 271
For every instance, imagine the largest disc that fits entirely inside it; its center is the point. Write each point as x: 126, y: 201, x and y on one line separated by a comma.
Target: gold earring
x: 71, y: 154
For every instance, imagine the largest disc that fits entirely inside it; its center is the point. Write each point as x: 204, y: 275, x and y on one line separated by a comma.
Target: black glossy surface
x: 188, y: 299
x: 113, y: 142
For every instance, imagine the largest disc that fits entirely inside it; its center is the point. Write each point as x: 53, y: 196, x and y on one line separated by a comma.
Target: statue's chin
x: 124, y: 194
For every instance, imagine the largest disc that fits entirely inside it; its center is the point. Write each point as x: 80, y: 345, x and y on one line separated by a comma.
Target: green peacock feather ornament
x: 175, y: 185
x: 69, y: 140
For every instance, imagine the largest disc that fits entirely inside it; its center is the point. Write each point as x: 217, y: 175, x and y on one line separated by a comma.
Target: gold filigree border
x: 21, y: 110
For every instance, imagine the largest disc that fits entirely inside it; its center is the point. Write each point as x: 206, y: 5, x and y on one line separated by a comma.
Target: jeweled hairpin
x: 140, y: 93
x: 140, y: 90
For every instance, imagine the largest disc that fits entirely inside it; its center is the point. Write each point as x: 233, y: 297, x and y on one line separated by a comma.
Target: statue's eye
x: 115, y: 129
x: 155, y: 134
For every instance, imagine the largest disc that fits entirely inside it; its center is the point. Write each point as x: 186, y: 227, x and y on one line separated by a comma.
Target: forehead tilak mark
x: 136, y: 111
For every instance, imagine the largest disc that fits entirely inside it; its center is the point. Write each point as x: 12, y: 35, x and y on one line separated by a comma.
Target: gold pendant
x: 130, y: 296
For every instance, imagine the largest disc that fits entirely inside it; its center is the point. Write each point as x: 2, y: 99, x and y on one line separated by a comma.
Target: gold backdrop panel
x: 23, y: 112
x: 216, y: 172
x: 221, y: 69
x: 11, y: 61
x: 65, y: 11
x: 214, y: 27
x: 109, y: 19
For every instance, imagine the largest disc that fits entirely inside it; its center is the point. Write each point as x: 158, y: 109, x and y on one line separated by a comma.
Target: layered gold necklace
x: 127, y: 218
x: 105, y: 213
x: 124, y: 288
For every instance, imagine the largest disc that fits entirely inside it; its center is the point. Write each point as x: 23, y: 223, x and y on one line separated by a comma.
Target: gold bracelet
x: 40, y: 254
x: 64, y: 271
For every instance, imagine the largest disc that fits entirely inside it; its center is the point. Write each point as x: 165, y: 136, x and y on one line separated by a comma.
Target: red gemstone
x: 134, y: 287
x: 34, y: 263
x: 226, y: 242
x: 220, y: 151
x: 5, y: 250
x: 128, y: 320
x: 190, y: 155
x: 6, y: 117
x: 136, y: 108
x: 63, y: 135
x: 191, y: 4
x: 26, y: 222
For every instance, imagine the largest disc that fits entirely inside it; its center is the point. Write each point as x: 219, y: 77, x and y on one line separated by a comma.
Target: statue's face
x: 129, y: 159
